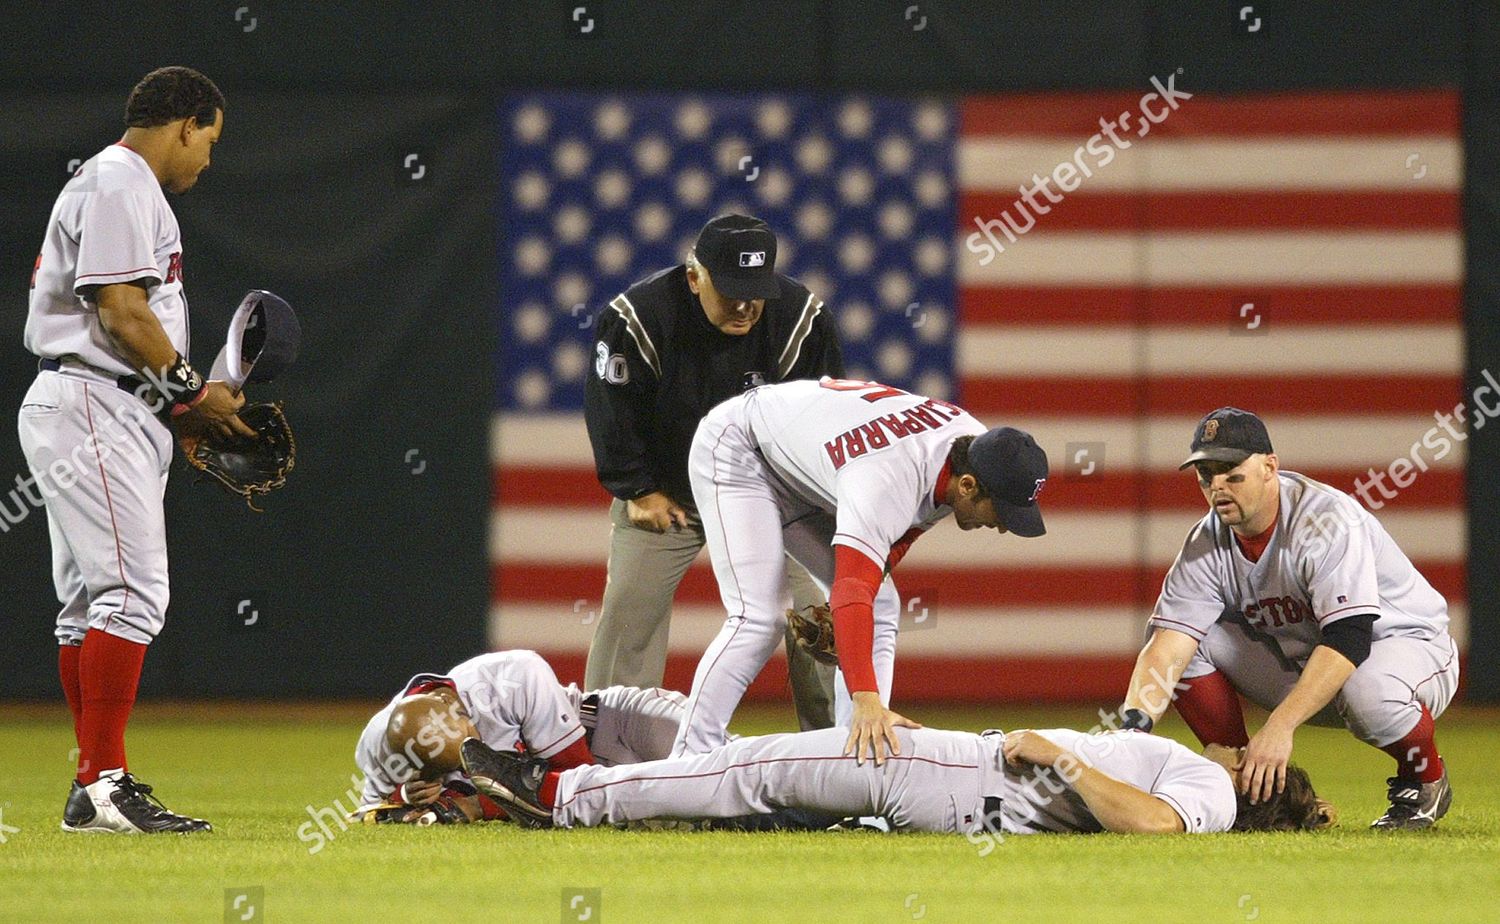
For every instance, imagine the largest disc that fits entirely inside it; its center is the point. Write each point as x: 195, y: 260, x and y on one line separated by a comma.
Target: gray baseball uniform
x: 798, y: 468
x: 943, y: 781
x: 99, y: 457
x: 1328, y: 559
x: 513, y: 697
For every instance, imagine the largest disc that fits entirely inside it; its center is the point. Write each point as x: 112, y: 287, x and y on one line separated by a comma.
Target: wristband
x: 185, y: 387
x: 1135, y: 720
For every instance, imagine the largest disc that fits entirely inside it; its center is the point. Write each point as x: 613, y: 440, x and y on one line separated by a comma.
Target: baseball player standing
x: 844, y: 476
x: 109, y: 323
x: 1292, y: 594
x: 670, y: 348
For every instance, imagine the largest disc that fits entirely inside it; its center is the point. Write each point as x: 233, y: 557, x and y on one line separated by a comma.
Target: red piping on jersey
x: 121, y: 144
x: 139, y: 269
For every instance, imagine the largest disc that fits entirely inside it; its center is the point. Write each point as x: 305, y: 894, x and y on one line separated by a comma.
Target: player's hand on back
x: 656, y: 512
x: 872, y: 729
x: 1263, y: 770
x: 218, y: 412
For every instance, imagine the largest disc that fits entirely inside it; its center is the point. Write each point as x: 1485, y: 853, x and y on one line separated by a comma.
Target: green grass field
x: 254, y: 771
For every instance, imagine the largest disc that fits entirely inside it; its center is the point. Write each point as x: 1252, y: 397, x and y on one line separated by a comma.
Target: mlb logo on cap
x: 753, y: 258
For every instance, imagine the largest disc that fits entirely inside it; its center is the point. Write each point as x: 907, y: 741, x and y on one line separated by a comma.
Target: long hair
x: 1296, y: 808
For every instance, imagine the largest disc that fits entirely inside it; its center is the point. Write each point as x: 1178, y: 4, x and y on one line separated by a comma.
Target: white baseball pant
x: 938, y: 783
x: 100, y: 461
x: 751, y: 520
x: 1380, y: 702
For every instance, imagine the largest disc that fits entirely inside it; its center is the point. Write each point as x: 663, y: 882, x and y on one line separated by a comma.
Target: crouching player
x: 1289, y: 593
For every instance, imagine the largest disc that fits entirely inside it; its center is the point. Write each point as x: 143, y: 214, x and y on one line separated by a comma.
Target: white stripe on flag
x: 1164, y: 258
x: 1001, y: 164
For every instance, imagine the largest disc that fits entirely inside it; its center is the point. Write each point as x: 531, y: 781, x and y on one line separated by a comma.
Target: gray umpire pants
x: 629, y: 647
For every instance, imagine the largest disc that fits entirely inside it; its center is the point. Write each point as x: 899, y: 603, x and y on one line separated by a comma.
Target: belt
x: 588, y: 714
x: 137, y: 388
x: 123, y: 382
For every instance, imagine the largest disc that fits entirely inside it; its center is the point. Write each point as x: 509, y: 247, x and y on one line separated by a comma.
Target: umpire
x: 670, y: 348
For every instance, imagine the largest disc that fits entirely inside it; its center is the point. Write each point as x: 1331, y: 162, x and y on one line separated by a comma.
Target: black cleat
x: 513, y: 780
x: 1415, y: 805
x: 79, y: 810
x: 123, y: 805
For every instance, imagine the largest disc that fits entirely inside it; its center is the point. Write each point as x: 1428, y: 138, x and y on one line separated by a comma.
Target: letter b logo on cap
x: 752, y: 258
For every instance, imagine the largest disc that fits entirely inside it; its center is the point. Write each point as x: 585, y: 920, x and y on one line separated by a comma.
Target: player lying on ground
x: 1023, y: 782
x: 408, y: 751
x: 844, y: 476
x: 1290, y: 593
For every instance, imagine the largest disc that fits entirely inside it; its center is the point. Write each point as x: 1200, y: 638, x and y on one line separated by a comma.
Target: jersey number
x: 612, y: 369
x: 36, y: 269
x: 874, y: 391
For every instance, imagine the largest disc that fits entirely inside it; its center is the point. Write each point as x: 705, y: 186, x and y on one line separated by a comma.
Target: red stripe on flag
x: 575, y: 488
x: 928, y: 679
x: 1268, y: 394
x: 1208, y: 305
x: 1222, y: 210
x: 532, y: 486
x: 1320, y: 114
x: 582, y: 585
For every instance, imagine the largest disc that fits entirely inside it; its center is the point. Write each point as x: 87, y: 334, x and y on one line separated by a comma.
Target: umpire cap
x: 739, y: 253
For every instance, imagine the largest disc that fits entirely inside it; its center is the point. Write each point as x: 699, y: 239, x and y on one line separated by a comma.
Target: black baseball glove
x: 246, y: 466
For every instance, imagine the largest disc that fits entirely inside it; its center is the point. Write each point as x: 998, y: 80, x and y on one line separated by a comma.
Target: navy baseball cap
x: 1228, y: 435
x: 739, y: 253
x: 1012, y: 469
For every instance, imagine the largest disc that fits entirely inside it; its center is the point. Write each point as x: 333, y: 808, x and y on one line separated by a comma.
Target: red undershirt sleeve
x: 856, y: 578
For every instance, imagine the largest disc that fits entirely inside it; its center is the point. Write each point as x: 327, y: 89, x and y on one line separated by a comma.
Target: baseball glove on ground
x: 812, y: 627
x: 444, y: 811
x: 244, y: 466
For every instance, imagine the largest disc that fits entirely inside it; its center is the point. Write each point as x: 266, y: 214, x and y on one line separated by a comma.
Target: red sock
x: 574, y: 755
x: 1211, y: 708
x: 67, y: 669
x: 548, y: 793
x: 109, y: 671
x: 1416, y: 753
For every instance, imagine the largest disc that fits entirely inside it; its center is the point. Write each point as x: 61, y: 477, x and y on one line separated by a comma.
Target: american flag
x: 1296, y: 255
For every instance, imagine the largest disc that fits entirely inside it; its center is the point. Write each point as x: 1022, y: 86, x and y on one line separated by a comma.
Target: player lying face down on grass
x: 408, y: 751
x: 995, y: 783
x: 844, y: 476
x: 1289, y: 593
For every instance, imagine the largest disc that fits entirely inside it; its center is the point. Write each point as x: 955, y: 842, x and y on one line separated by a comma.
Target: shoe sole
x: 502, y: 793
x: 1444, y: 803
x: 507, y: 799
x: 90, y: 829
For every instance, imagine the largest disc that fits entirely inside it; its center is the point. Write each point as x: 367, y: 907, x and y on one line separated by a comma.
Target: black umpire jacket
x: 660, y: 366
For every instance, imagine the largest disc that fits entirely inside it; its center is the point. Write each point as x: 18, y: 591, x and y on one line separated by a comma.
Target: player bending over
x: 409, y: 750
x: 844, y: 476
x: 991, y: 784
x: 1290, y: 593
